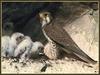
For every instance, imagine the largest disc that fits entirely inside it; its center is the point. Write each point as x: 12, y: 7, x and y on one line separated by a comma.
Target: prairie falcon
x: 56, y: 34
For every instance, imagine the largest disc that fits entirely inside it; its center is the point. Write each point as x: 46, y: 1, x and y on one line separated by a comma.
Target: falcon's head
x: 45, y: 18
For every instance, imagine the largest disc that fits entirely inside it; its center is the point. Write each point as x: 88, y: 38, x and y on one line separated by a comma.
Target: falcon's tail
x: 78, y: 52
x: 85, y: 57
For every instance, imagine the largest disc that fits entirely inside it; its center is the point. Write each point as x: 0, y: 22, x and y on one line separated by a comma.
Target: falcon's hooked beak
x: 45, y: 18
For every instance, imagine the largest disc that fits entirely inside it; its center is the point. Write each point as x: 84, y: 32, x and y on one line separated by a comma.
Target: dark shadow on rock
x: 23, y: 17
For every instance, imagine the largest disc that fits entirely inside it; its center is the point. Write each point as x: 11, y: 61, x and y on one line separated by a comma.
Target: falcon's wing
x: 61, y: 37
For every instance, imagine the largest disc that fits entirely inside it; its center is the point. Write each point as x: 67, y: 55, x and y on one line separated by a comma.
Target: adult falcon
x: 58, y: 36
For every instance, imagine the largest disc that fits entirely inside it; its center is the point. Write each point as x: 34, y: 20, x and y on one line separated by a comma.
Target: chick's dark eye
x: 21, y: 37
x: 40, y: 48
x: 45, y: 14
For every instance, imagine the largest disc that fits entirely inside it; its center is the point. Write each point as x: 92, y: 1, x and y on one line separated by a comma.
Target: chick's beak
x: 41, y: 52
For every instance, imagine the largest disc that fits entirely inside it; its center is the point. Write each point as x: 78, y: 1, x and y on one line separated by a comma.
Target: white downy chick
x: 5, y: 42
x: 16, y: 38
x: 37, y: 50
x: 23, y: 48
